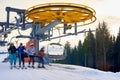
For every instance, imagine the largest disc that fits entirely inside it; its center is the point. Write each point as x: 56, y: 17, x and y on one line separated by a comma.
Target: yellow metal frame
x: 67, y: 13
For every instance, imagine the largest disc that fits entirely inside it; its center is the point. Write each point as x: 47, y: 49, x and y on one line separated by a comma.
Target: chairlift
x: 2, y: 43
x: 55, y: 48
x: 2, y: 40
x: 55, y: 44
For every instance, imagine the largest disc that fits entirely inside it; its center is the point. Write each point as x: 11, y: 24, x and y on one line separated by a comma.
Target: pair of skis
x: 18, y: 67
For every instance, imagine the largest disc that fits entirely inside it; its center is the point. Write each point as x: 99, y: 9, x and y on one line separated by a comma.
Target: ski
x: 42, y: 68
x: 17, y: 67
x: 14, y: 67
x: 31, y: 67
x: 23, y: 67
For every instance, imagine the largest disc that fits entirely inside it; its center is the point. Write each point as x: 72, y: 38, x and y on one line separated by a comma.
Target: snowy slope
x: 54, y: 72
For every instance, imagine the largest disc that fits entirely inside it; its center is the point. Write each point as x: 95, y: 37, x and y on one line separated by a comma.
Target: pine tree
x: 117, y: 53
x: 67, y: 53
x: 89, y: 50
x: 110, y: 54
x: 80, y: 55
x: 74, y: 55
x: 102, y: 41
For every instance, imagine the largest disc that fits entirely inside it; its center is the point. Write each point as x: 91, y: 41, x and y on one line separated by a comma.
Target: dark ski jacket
x: 12, y: 49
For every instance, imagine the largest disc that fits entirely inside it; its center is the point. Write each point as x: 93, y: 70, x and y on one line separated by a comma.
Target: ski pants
x: 40, y: 60
x: 31, y: 59
x: 21, y: 59
x: 13, y: 59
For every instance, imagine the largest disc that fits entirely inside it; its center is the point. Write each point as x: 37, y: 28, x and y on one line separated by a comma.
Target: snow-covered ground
x: 54, y: 72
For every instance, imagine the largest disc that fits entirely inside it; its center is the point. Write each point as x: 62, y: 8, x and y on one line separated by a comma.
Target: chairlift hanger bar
x: 83, y: 31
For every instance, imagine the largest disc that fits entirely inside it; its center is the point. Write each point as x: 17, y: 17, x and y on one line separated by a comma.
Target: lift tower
x: 67, y: 14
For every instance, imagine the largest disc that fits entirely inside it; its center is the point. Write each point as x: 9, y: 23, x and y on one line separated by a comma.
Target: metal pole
x: 23, y: 21
x: 37, y: 43
x: 8, y: 16
x: 37, y: 37
x: 49, y: 34
x: 64, y: 31
x: 75, y: 28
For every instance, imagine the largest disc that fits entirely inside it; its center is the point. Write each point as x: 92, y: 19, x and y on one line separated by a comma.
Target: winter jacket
x: 31, y: 51
x: 12, y: 49
x: 21, y: 50
x: 41, y: 54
